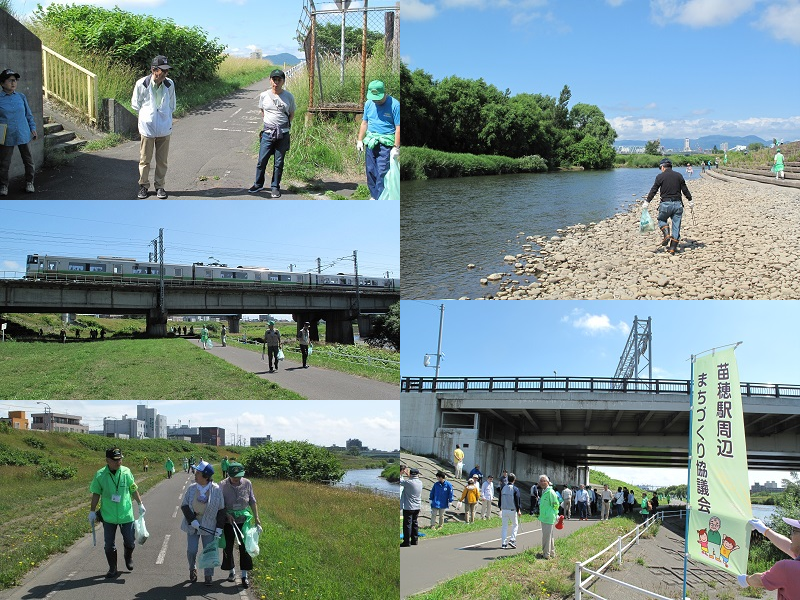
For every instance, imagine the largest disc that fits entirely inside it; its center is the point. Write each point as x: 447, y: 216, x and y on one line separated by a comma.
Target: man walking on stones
x: 671, y: 184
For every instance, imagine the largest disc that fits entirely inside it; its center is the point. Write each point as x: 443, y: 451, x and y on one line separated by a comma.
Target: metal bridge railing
x: 70, y: 83
x: 580, y: 384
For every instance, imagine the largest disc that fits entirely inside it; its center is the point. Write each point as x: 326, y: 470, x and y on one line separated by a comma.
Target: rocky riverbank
x: 743, y: 242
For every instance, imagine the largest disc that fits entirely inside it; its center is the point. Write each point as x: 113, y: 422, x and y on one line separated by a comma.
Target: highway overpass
x: 337, y: 306
x: 567, y: 424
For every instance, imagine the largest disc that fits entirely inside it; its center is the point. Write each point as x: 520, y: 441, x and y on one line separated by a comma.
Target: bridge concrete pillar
x: 156, y: 323
x: 338, y: 328
x: 510, y: 460
x: 365, y: 323
x: 233, y: 323
x: 313, y: 319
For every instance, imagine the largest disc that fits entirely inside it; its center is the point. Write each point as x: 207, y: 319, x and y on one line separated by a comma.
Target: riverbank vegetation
x: 467, y: 116
x: 651, y: 161
x: 302, y: 554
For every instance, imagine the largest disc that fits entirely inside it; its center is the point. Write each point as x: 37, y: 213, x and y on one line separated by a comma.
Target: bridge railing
x: 580, y: 384
x: 71, y: 83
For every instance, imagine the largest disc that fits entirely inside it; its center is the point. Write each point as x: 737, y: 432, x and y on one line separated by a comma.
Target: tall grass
x: 424, y: 163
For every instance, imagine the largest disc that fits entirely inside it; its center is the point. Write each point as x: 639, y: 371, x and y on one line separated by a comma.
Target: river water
x: 446, y: 224
x: 370, y: 478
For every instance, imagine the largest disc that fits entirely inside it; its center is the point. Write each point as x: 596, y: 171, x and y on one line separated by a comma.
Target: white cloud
x: 629, y: 127
x: 699, y: 13
x: 417, y: 10
x: 11, y: 265
x: 782, y: 20
x: 594, y: 324
x: 615, y: 3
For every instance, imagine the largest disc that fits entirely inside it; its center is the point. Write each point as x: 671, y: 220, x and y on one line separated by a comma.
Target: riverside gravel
x: 742, y: 243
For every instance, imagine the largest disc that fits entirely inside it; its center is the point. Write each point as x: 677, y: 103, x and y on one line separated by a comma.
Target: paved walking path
x: 211, y: 155
x: 314, y: 383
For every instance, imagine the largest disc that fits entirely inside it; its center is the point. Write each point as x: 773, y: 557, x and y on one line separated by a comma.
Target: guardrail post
x: 619, y: 551
x: 578, y: 581
x: 637, y: 533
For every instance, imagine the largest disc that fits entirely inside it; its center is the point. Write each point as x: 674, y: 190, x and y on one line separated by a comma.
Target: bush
x: 424, y: 163
x: 33, y: 442
x: 299, y: 461
x: 135, y: 39
x: 12, y: 457
x: 53, y: 470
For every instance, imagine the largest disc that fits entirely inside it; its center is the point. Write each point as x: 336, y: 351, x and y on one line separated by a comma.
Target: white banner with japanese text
x: 719, y: 489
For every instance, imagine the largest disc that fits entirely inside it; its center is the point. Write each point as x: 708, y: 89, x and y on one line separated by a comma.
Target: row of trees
x: 471, y: 116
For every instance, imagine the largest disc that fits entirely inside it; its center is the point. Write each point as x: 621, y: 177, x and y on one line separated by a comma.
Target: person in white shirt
x: 487, y: 495
x: 606, y: 496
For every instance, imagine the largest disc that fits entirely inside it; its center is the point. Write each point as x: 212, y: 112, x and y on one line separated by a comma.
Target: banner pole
x: 688, y: 479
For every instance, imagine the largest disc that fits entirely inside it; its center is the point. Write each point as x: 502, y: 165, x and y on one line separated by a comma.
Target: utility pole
x: 355, y: 267
x: 291, y: 267
x: 438, y: 348
x: 161, y: 269
x: 319, y: 265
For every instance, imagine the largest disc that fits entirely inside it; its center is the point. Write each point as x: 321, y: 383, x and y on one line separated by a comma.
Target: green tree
x: 653, y: 147
x: 386, y: 329
x: 755, y: 146
x: 591, y: 153
x: 300, y: 461
x: 588, y: 119
x: 329, y: 40
x: 419, y: 111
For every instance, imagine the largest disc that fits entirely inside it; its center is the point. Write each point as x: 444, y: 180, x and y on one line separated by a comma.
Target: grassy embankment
x: 25, y: 327
x: 424, y: 163
x: 126, y: 369
x: 302, y: 550
x: 763, y: 158
x: 651, y: 161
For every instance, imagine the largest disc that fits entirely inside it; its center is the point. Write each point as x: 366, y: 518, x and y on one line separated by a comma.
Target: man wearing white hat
x: 784, y: 575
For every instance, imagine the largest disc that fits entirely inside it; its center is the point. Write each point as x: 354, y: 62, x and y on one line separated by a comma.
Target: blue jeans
x: 110, y: 533
x: 270, y: 146
x: 191, y: 549
x: 377, y: 161
x: 671, y: 209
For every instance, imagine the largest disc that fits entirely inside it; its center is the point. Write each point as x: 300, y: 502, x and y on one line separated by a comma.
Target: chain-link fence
x: 345, y: 49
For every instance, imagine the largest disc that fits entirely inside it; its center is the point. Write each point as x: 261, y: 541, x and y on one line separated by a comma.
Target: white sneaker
x: 29, y: 187
x: 3, y: 190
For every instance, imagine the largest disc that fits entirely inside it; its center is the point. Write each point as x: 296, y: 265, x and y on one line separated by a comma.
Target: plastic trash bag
x: 459, y: 506
x: 280, y: 354
x: 251, y: 542
x: 209, y: 559
x: 210, y: 344
x: 310, y: 349
x: 140, y: 530
x: 391, y: 183
x: 646, y: 222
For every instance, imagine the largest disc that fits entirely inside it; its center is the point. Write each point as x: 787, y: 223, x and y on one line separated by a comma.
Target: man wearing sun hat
x: 241, y: 509
x: 114, y: 484
x: 154, y: 99
x: 380, y: 133
x: 784, y: 575
x: 272, y: 341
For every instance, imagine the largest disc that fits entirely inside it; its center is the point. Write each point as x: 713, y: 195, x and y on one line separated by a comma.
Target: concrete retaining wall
x: 22, y: 51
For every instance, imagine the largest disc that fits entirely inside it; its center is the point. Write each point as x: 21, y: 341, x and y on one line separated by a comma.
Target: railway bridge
x: 564, y: 425
x: 337, y: 307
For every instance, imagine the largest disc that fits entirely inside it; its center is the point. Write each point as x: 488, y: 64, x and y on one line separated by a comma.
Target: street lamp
x: 48, y: 411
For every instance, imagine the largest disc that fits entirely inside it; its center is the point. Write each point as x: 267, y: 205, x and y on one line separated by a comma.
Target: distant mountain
x: 279, y: 59
x: 707, y: 142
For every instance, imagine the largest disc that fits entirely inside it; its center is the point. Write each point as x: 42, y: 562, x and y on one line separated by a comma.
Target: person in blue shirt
x: 17, y: 128
x: 476, y: 474
x: 441, y: 497
x: 380, y: 133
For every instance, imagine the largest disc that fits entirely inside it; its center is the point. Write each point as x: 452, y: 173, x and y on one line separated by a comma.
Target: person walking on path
x: 242, y: 510
x: 470, y: 496
x: 223, y: 336
x: 170, y: 467
x: 778, y: 165
x: 566, y: 494
x: 411, y: 502
x: 272, y: 343
x: 548, y: 515
x: 487, y: 495
x: 510, y: 510
x: 154, y: 99
x: 145, y: 464
x: 645, y: 506
x: 458, y: 461
x: 277, y: 110
x: 17, y: 128
x: 380, y: 133
x: 304, y: 339
x: 204, y: 515
x: 225, y: 465
x: 672, y: 184
x: 440, y: 497
x: 185, y: 464
x: 113, y: 487
x: 784, y: 574
x: 204, y: 336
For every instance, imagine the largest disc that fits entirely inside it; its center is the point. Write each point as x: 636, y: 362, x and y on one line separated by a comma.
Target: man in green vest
x: 170, y: 467
x: 112, y: 487
x: 778, y: 168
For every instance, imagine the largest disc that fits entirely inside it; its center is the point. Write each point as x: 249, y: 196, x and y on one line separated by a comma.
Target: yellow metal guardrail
x: 70, y: 83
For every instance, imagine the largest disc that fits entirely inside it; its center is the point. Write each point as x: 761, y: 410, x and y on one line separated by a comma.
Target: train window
x: 33, y: 259
x: 208, y: 273
x: 77, y: 267
x: 273, y: 278
x: 227, y: 275
x: 117, y: 270
x: 258, y: 276
x: 178, y: 272
x: 52, y: 265
x: 97, y: 268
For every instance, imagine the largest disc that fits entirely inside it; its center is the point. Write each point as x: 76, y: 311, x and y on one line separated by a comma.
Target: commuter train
x: 113, y: 268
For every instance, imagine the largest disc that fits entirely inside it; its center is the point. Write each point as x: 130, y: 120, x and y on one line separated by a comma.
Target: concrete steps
x: 57, y: 139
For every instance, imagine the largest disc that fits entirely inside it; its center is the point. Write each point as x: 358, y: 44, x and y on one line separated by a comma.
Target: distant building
x: 183, y: 433
x: 213, y: 436
x: 260, y: 441
x: 769, y: 486
x: 155, y: 424
x: 355, y: 443
x: 51, y: 421
x: 686, y: 146
x: 257, y: 54
x: 16, y: 419
x: 125, y: 428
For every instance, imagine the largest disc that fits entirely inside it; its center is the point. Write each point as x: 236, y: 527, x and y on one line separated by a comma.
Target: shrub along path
x: 210, y: 156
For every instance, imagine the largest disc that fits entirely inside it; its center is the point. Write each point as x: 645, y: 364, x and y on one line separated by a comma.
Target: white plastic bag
x: 391, y: 182
x: 310, y: 349
x: 459, y: 505
x: 251, y: 541
x: 280, y: 354
x: 140, y: 530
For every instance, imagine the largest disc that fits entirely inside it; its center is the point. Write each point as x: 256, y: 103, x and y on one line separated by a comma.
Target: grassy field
x: 305, y: 549
x: 126, y: 369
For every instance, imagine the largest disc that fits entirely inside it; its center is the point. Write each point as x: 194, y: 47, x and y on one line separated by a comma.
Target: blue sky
x: 243, y: 25
x: 662, y: 68
x: 321, y: 422
x: 587, y: 338
x: 252, y: 233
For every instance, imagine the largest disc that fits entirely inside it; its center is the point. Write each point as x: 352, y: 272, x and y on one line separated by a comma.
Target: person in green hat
x: 380, y: 133
x: 170, y: 467
x: 112, y: 487
x: 225, y: 464
x: 272, y: 343
x: 242, y: 509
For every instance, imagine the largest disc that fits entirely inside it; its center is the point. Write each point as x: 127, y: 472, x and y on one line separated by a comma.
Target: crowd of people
x: 209, y: 512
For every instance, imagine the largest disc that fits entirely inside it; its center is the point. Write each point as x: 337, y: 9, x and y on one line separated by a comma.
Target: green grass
x: 107, y: 141
x: 424, y: 163
x: 325, y: 543
x: 126, y: 369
